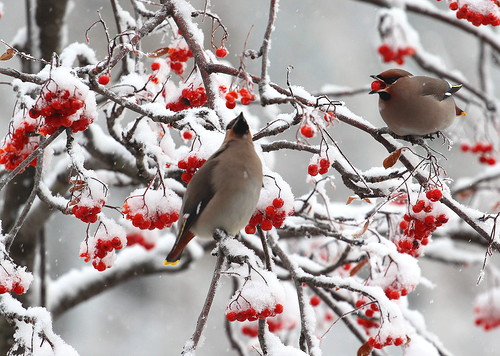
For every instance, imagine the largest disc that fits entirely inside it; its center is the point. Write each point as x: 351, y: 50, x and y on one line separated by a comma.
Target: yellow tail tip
x: 168, y: 263
x: 463, y: 113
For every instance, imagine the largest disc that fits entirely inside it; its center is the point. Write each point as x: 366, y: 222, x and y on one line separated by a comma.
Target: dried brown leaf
x: 351, y: 199
x: 392, y: 158
x: 365, y: 349
x: 158, y: 52
x: 358, y: 267
x: 365, y: 227
x: 8, y: 54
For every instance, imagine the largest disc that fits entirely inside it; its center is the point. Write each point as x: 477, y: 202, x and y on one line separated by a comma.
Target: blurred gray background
x: 327, y: 42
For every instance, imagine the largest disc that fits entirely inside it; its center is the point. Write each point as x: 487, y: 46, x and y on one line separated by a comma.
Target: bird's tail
x: 179, y: 245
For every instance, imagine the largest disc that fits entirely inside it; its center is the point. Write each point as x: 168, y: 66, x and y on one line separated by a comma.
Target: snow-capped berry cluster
x: 251, y: 314
x: 273, y: 215
x: 178, y: 57
x: 420, y: 223
x: 149, y: 208
x: 19, y: 144
x: 484, y: 151
x: 139, y: 238
x: 478, y: 13
x: 378, y: 343
x: 370, y: 319
x: 190, y: 98
x: 394, y: 54
x: 88, y: 196
x: 13, y: 279
x: 318, y: 166
x: 487, y: 309
x: 100, y: 248
x: 276, y: 324
x: 190, y: 165
x: 246, y: 97
x: 61, y: 107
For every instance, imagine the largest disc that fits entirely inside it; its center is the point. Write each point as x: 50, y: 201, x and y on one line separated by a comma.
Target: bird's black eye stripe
x: 389, y: 80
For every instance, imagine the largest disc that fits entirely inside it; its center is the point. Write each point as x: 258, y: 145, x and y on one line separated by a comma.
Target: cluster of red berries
x: 101, y: 249
x: 274, y: 325
x: 17, y: 288
x: 273, y: 215
x: 371, y: 314
x: 396, y: 290
x: 484, y: 150
x: 251, y: 314
x: 155, y: 66
x: 487, y: 309
x: 58, y: 108
x: 190, y: 98
x: 378, y: 343
x: 178, y: 57
x: 139, y: 239
x: 19, y: 145
x: 246, y: 97
x: 190, y: 165
x: 221, y: 52
x: 145, y: 219
x: 418, y: 226
x: 13, y: 279
x: 475, y: 17
x: 308, y: 130
x: 321, y: 167
x: 395, y: 54
x: 88, y: 213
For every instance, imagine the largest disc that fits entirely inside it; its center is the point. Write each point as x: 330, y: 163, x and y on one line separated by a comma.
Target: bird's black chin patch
x: 384, y: 95
x: 239, y: 125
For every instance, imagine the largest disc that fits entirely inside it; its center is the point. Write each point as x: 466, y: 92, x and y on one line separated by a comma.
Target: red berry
x: 187, y: 135
x: 266, y: 225
x: 312, y: 169
x: 315, y: 300
x: 155, y: 66
x: 453, y: 6
x: 18, y: 289
x: 377, y: 85
x: 250, y: 229
x: 103, y: 79
x: 278, y: 309
x: 231, y: 316
x: 278, y: 203
x: 307, y: 131
x: 221, y: 52
x: 230, y: 104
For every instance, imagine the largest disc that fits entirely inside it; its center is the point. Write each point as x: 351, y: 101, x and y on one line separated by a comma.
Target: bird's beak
x: 375, y: 77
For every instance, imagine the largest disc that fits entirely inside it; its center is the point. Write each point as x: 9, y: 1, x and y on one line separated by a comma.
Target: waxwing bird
x: 415, y: 105
x: 223, y: 193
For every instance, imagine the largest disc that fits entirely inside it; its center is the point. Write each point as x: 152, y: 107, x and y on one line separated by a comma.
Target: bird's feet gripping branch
x: 223, y: 193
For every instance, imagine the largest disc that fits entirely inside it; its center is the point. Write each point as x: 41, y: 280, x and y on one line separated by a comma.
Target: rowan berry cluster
x: 379, y: 343
x: 273, y: 215
x: 14, y: 279
x: 190, y: 165
x: 88, y: 197
x: 190, y: 98
x: 319, y: 166
x: 178, y: 57
x: 100, y: 248
x: 19, y: 144
x: 487, y: 309
x: 396, y: 55
x: 86, y: 213
x: 487, y: 13
x: 371, y: 315
x: 396, y: 290
x: 420, y: 223
x: 251, y: 314
x: 150, y: 209
x: 483, y: 149
x: 245, y: 95
x: 60, y: 108
x: 251, y: 329
x: 137, y: 238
